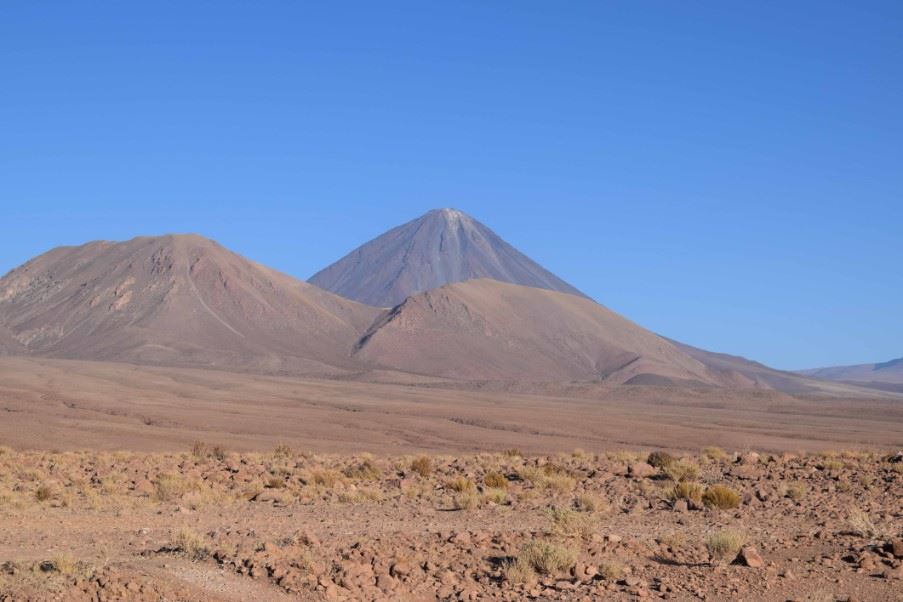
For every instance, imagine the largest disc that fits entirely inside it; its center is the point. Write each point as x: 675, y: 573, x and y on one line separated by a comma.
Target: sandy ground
x: 66, y: 405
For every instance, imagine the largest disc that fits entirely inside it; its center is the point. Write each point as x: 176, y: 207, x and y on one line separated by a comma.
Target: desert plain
x: 127, y: 482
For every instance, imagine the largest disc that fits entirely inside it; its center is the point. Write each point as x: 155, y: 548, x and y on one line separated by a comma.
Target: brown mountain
x: 485, y: 329
x: 178, y: 299
x: 440, y: 247
x: 883, y: 372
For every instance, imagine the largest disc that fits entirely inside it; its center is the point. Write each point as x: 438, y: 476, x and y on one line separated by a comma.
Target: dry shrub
x: 569, y: 523
x: 44, y: 493
x: 461, y: 485
x: 585, y: 502
x: 796, y: 491
x: 715, y: 454
x: 612, y: 570
x: 495, y: 480
x: 547, y: 558
x: 199, y: 450
x: 686, y: 491
x: 724, y: 545
x: 169, y: 487
x: 513, y: 453
x: 422, y: 465
x: 190, y: 544
x: 721, y: 496
x: 366, y: 471
x: 325, y: 478
x: 660, y: 459
x: 283, y: 451
x: 275, y: 482
x: 63, y: 564
x: 861, y: 524
x: 466, y: 501
x: 496, y: 496
x: 518, y: 571
x: 218, y: 452
x: 681, y: 471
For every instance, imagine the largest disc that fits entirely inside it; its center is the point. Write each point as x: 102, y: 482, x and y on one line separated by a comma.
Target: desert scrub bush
x: 366, y: 470
x: 612, y: 570
x: 795, y: 491
x: 548, y: 558
x: 218, y: 452
x: 189, y: 543
x: 169, y: 487
x: 467, y: 500
x: 721, y: 496
x: 681, y: 471
x: 685, y: 491
x: 569, y: 523
x: 716, y: 454
x: 461, y: 485
x: 199, y: 450
x: 660, y: 459
x: 831, y: 465
x: 44, y: 493
x: 275, y: 482
x: 585, y: 502
x: 422, y: 465
x: 325, y: 478
x: 518, y: 571
x: 513, y: 453
x: 283, y: 451
x: 496, y: 480
x: 496, y: 496
x: 724, y: 545
x: 63, y: 564
x: 862, y: 525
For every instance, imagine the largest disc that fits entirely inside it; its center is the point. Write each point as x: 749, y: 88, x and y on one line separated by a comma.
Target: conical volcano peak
x: 440, y: 247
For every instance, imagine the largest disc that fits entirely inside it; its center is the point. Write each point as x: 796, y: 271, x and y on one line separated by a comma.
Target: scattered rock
x: 750, y: 557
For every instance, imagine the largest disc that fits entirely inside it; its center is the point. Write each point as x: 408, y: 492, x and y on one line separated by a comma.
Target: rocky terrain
x: 211, y: 524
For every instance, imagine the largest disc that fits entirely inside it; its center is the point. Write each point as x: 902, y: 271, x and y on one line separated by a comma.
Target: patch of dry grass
x: 548, y: 558
x: 495, y: 480
x: 190, y: 544
x: 724, y: 545
x: 422, y: 465
x: 681, y: 471
x: 721, y: 496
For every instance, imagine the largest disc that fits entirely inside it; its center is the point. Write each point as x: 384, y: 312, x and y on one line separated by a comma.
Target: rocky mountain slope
x: 178, y: 299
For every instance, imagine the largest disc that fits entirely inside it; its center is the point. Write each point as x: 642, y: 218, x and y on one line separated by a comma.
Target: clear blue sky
x: 727, y: 174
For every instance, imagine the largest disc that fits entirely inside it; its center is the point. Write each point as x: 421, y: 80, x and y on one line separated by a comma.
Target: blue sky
x: 727, y: 174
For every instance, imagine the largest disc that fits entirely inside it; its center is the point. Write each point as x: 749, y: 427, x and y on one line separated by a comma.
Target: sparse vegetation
x: 496, y: 480
x: 585, y: 502
x: 366, y: 470
x: 467, y: 500
x: 716, y: 454
x: 461, y: 485
x: 422, y: 465
x: 721, y: 496
x: 724, y: 545
x: 660, y: 459
x: 547, y: 558
x: 190, y: 544
x: 681, y: 471
x: 686, y: 491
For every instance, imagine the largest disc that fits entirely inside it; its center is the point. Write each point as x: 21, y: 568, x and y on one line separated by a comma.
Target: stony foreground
x: 209, y: 524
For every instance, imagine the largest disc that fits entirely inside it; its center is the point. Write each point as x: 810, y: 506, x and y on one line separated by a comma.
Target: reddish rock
x: 641, y: 470
x: 748, y: 556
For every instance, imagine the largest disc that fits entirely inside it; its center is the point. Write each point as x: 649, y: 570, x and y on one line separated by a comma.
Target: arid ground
x: 120, y: 482
x: 211, y: 524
